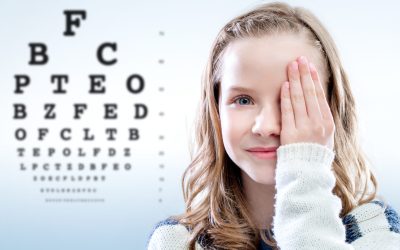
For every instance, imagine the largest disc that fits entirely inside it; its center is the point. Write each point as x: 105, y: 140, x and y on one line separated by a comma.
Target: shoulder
x: 168, y: 234
x: 375, y: 222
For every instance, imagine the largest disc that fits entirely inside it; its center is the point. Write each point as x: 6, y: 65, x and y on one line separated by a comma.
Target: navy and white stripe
x: 370, y: 217
x: 359, y: 223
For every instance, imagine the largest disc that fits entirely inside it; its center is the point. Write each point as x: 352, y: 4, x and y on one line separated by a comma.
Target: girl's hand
x: 306, y: 116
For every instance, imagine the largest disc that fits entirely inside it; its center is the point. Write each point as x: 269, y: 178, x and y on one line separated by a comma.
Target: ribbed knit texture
x: 306, y: 210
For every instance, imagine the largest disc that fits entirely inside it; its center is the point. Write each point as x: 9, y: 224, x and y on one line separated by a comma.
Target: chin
x: 265, y: 182
x: 264, y: 178
x: 264, y: 174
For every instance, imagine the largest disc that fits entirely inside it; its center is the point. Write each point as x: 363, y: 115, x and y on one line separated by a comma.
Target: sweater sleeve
x: 306, y: 210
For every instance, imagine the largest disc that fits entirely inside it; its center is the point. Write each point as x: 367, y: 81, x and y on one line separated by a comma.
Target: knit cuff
x: 306, y: 151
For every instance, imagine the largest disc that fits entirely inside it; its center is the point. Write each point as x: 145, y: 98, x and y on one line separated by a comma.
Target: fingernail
x: 294, y: 65
x: 312, y: 67
x: 303, y: 59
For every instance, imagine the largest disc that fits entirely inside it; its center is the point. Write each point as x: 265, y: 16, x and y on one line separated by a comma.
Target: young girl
x: 277, y: 161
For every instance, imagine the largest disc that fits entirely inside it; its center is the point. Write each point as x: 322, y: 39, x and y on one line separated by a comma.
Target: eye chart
x: 95, y: 137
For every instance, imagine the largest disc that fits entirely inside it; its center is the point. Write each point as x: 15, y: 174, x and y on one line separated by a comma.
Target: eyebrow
x: 240, y: 89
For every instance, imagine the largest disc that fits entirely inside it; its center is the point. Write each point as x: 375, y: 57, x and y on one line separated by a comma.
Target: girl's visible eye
x: 245, y: 99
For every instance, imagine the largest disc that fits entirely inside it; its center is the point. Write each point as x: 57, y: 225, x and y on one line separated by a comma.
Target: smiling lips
x: 263, y: 152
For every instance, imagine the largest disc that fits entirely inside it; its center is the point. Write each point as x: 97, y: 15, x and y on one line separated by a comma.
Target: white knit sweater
x: 306, y: 210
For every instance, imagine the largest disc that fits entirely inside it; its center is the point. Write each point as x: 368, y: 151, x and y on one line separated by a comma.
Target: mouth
x: 262, y: 149
x: 263, y: 153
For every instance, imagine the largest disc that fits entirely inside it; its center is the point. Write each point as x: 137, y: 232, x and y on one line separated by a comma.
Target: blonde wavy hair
x: 216, y: 209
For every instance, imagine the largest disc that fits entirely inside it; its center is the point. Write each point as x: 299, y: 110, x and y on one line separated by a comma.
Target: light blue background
x: 366, y: 34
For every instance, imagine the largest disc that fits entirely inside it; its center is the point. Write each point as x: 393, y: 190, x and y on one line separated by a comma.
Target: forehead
x: 263, y: 59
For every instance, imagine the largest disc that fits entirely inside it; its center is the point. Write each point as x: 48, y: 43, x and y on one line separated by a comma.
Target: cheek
x: 234, y: 127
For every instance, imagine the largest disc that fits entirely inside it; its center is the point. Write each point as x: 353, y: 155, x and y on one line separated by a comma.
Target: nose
x: 267, y: 122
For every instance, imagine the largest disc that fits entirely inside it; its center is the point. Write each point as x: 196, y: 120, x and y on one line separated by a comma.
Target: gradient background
x: 365, y: 32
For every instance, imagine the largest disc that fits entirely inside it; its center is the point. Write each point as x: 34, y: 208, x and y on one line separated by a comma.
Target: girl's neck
x: 261, y: 200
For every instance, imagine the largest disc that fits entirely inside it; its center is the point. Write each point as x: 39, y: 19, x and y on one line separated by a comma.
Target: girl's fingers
x: 323, y: 104
x: 288, y: 122
x: 307, y: 83
x: 296, y: 94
